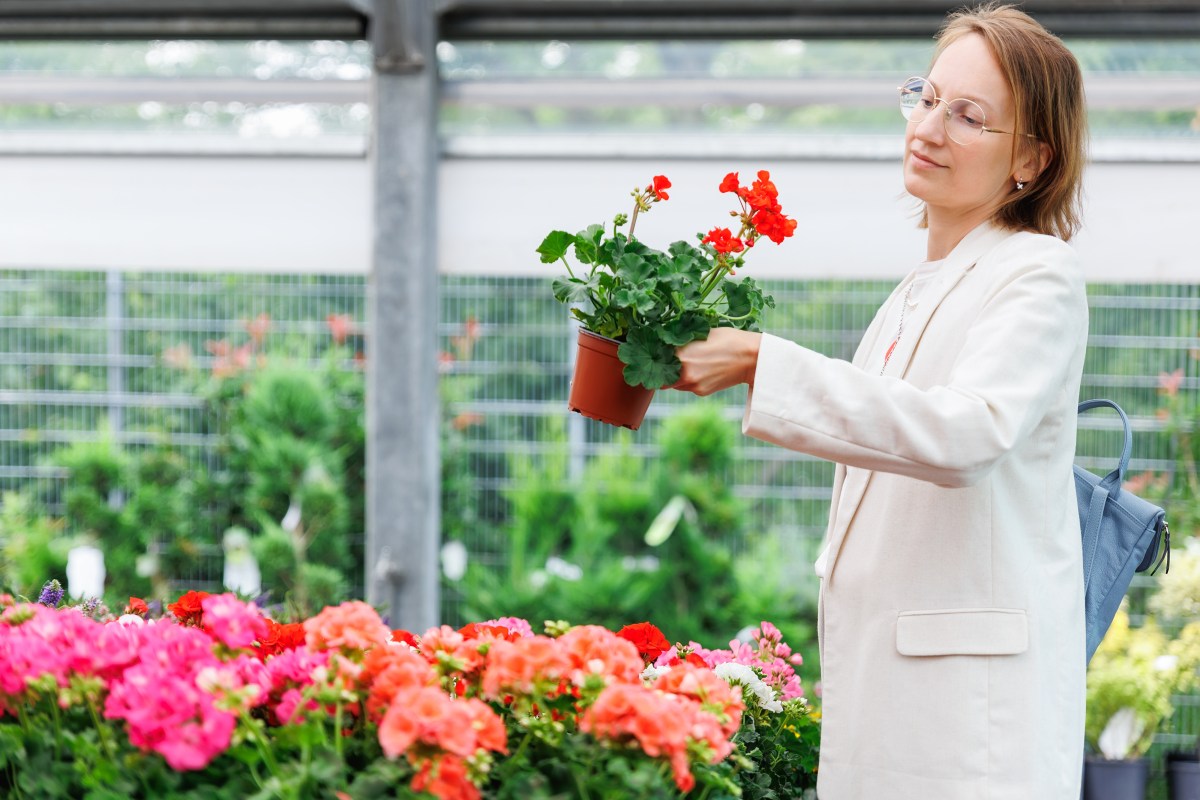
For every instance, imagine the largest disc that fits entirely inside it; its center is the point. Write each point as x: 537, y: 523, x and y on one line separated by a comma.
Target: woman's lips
x: 924, y: 161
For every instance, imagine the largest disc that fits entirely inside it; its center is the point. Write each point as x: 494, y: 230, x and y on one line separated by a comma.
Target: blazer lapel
x: 845, y: 503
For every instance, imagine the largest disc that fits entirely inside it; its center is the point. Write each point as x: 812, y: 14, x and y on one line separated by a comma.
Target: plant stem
x: 338, y: 747
x: 579, y: 786
x: 570, y: 272
x: 735, y: 319
x: 105, y: 742
x: 263, y: 746
x: 637, y: 205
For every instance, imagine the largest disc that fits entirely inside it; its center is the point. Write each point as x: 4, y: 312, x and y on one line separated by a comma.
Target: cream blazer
x: 951, y: 618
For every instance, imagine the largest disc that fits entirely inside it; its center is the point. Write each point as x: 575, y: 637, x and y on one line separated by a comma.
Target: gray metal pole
x: 403, y: 466
x: 115, y: 311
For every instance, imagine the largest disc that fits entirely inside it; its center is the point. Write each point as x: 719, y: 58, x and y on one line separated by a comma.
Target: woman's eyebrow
x: 984, y: 104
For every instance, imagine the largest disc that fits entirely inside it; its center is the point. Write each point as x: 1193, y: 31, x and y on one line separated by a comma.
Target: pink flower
x: 234, y: 623
x: 1169, y: 383
x: 514, y: 624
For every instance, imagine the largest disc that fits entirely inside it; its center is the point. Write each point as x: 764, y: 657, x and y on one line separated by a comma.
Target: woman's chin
x: 914, y: 185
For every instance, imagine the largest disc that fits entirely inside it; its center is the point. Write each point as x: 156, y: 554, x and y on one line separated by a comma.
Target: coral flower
x: 350, y: 626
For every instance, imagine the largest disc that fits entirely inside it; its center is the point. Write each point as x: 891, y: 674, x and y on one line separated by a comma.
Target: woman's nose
x: 933, y: 127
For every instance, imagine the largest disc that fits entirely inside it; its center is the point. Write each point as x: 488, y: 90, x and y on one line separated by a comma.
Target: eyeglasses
x: 964, y: 120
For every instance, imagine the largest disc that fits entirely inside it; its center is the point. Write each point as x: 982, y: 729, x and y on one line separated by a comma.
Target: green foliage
x: 1125, y: 673
x: 781, y: 752
x: 33, y: 546
x: 638, y: 538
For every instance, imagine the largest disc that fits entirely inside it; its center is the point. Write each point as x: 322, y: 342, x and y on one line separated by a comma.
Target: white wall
x: 313, y: 214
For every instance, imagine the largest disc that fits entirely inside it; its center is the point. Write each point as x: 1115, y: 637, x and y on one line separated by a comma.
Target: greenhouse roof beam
x: 783, y: 19
x: 568, y: 19
x: 184, y: 19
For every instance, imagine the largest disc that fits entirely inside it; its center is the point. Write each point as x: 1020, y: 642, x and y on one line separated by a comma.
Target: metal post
x: 115, y: 312
x: 403, y: 467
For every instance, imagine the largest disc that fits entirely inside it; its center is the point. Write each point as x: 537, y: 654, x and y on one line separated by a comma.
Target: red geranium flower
x: 731, y: 184
x: 647, y: 638
x: 774, y: 226
x: 723, y: 241
x: 404, y: 637
x: 763, y: 195
x: 659, y: 187
x: 187, y: 608
x: 137, y: 606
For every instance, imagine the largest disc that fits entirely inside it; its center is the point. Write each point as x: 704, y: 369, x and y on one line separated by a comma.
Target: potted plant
x: 1130, y: 681
x: 637, y: 304
x: 1176, y: 600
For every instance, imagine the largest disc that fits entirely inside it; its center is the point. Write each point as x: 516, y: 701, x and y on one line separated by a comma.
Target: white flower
x: 131, y: 619
x: 1120, y: 734
x: 652, y: 673
x: 741, y: 675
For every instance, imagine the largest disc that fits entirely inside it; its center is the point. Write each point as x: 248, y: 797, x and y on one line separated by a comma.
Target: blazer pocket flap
x: 962, y: 632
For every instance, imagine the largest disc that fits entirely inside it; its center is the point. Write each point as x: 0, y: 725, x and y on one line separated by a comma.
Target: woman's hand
x: 726, y: 358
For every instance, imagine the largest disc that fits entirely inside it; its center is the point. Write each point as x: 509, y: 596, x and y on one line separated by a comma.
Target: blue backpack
x: 1122, y: 534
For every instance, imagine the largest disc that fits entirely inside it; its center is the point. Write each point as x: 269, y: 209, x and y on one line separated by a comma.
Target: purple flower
x: 52, y: 594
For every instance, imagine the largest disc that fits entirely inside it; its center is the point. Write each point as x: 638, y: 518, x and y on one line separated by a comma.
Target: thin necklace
x: 899, y: 330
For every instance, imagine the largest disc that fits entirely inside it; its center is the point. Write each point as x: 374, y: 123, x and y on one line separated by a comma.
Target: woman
x: 951, y: 617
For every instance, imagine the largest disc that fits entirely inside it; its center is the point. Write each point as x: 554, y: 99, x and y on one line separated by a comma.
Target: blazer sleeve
x: 1016, y: 356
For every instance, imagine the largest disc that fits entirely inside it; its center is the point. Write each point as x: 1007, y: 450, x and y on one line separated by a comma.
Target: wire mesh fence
x: 91, y: 355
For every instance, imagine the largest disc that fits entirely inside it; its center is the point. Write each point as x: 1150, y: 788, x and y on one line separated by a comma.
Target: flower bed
x: 216, y: 700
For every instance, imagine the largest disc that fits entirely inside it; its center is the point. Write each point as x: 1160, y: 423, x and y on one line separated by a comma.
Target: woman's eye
x: 970, y: 121
x: 927, y: 104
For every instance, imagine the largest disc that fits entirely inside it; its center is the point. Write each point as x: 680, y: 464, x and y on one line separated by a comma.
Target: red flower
x: 648, y: 639
x: 405, y: 637
x: 731, y: 184
x: 763, y: 195
x: 187, y: 608
x: 279, y: 638
x: 774, y: 226
x: 137, y: 606
x: 657, y: 188
x: 723, y: 241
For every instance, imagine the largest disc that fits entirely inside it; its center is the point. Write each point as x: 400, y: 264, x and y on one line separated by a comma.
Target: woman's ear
x: 1037, y: 159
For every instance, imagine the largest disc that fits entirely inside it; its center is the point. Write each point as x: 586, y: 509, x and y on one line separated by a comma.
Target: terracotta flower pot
x: 599, y: 390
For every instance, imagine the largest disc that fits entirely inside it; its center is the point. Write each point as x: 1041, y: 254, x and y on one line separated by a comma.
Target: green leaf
x: 587, y: 243
x: 688, y: 328
x: 745, y: 299
x: 555, y: 246
x: 640, y: 297
x: 635, y: 267
x: 572, y: 290
x: 649, y: 361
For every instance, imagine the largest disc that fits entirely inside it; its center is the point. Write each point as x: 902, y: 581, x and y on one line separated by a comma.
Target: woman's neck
x: 946, y: 231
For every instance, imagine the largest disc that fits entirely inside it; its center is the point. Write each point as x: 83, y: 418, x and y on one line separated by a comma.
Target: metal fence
x: 90, y: 354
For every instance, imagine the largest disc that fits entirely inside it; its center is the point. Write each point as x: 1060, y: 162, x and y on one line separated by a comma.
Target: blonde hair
x: 1047, y: 88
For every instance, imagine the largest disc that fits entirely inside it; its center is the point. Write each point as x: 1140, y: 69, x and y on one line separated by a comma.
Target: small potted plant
x: 1176, y: 601
x: 1130, y: 681
x: 636, y: 305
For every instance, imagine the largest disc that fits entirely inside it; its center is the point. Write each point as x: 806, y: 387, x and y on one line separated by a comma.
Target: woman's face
x: 953, y: 179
